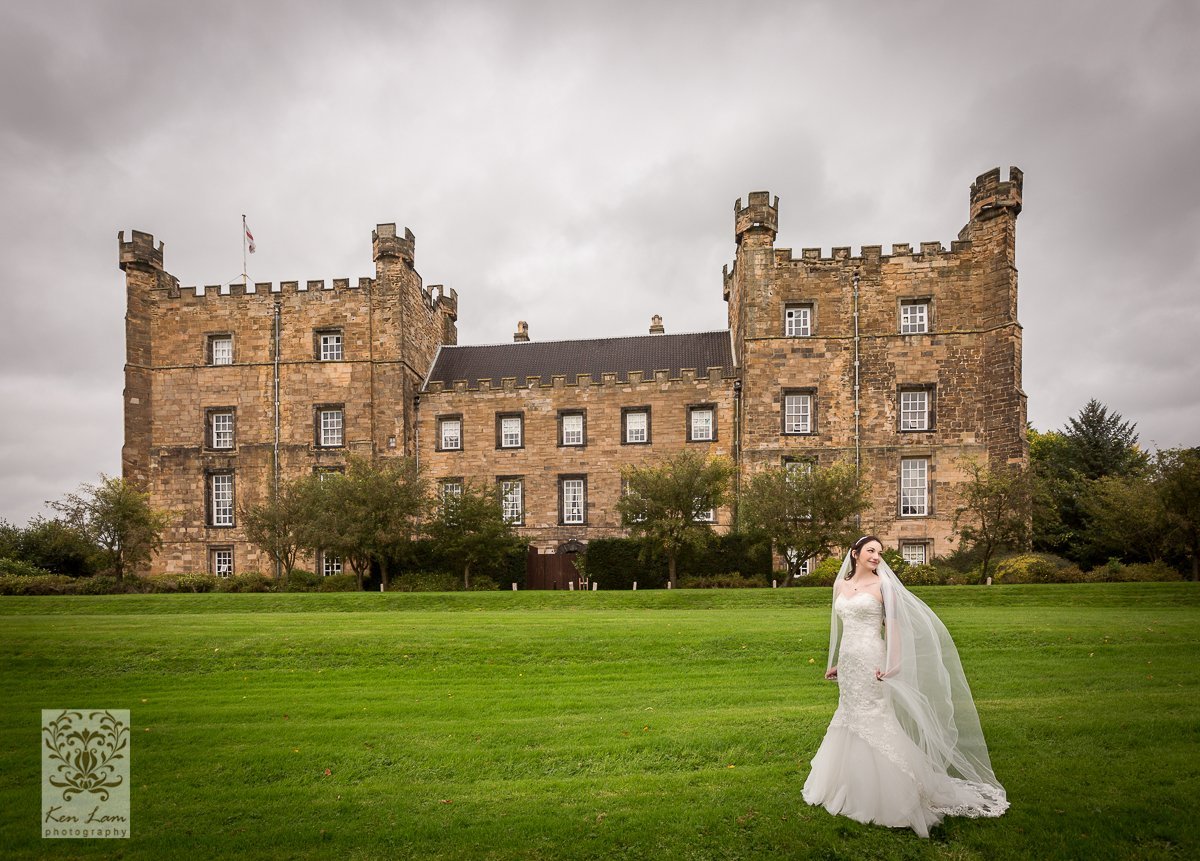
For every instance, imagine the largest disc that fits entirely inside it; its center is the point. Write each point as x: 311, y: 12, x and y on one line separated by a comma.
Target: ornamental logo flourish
x: 85, y: 773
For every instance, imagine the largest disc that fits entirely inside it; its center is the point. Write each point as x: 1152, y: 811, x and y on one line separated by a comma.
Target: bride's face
x: 870, y: 556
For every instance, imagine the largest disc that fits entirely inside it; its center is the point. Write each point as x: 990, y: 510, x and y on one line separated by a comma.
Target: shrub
x: 822, y: 575
x: 250, y: 582
x: 338, y: 583
x: 20, y: 568
x: 926, y: 575
x: 895, y: 561
x: 1037, y: 568
x: 99, y: 586
x: 1138, y: 572
x: 427, y: 581
x: 194, y: 582
x: 484, y: 584
x: 616, y: 563
x: 38, y: 584
x: 733, y: 580
x: 299, y: 580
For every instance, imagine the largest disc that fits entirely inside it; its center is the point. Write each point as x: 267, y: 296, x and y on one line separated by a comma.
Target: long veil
x: 929, y: 692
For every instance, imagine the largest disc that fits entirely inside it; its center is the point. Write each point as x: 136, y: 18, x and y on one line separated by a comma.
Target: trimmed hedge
x: 616, y: 563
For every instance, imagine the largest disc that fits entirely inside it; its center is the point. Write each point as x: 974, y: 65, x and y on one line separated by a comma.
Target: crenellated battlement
x: 866, y: 254
x: 634, y: 380
x: 139, y: 250
x: 758, y: 219
x: 385, y: 243
x: 270, y: 288
x: 990, y: 196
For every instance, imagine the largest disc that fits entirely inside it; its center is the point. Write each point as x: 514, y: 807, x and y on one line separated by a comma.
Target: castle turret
x: 385, y: 243
x: 756, y: 224
x: 990, y: 197
x: 142, y: 263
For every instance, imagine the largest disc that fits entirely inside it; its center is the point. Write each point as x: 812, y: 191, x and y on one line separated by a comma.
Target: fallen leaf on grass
x: 446, y: 801
x: 328, y: 772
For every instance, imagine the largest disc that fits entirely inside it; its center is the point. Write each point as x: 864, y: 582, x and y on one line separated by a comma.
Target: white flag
x: 249, y: 238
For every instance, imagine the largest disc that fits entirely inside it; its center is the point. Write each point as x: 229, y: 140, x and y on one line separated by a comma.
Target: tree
x: 1126, y: 518
x: 277, y: 524
x: 370, y: 513
x: 469, y: 527
x: 1178, y: 481
x: 995, y: 510
x: 803, y: 509
x: 117, y: 517
x: 1101, y: 443
x: 329, y: 525
x: 1057, y: 495
x: 666, y: 505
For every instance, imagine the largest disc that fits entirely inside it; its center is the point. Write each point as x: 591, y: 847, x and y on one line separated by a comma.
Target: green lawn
x: 673, y: 725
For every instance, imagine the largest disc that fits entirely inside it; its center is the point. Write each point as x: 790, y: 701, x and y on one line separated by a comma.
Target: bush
x: 733, y: 580
x: 1139, y: 572
x: 1037, y: 568
x: 822, y: 575
x: 427, y: 581
x: 926, y: 575
x: 338, y: 583
x: 895, y: 561
x: 194, y: 582
x: 250, y: 582
x: 299, y: 580
x: 38, y: 584
x: 616, y: 563
x: 99, y: 586
x: 20, y: 568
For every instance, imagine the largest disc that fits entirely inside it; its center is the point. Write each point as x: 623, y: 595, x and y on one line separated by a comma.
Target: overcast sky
x: 575, y: 165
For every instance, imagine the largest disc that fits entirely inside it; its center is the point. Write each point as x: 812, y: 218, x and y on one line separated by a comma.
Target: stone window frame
x: 511, y: 414
x: 213, y: 566
x: 923, y: 543
x: 448, y: 481
x: 564, y: 413
x: 318, y: 436
x: 328, y: 568
x: 928, y: 512
x: 583, y: 504
x: 693, y: 408
x: 210, y: 490
x: 625, y: 413
x: 784, y: 394
x: 448, y: 417
x: 519, y: 482
x: 910, y: 301
x: 210, y: 414
x: 209, y: 348
x: 809, y: 304
x: 318, y: 345
x: 930, y: 390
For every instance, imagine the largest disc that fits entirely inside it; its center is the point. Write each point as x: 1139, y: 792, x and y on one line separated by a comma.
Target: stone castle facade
x: 903, y: 363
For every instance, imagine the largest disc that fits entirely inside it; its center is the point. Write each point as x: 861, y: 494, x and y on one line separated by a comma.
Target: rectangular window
x: 914, y: 553
x: 797, y: 413
x: 510, y: 431
x: 914, y: 487
x: 220, y: 428
x: 573, y: 499
x: 703, y: 515
x: 450, y: 433
x: 914, y: 410
x: 329, y: 344
x: 220, y: 561
x: 330, y: 426
x: 220, y: 349
x: 452, y: 488
x: 914, y: 317
x: 805, y: 566
x: 626, y: 490
x: 331, y: 565
x: 220, y: 499
x: 571, y: 429
x: 635, y: 425
x: 797, y: 320
x: 702, y: 426
x: 512, y: 498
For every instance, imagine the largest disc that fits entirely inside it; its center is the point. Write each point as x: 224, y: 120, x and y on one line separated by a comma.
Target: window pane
x: 451, y: 489
x: 914, y: 486
x: 797, y: 414
x: 331, y: 346
x: 914, y: 318
x: 573, y: 500
x: 510, y: 497
x: 913, y: 554
x: 222, y: 430
x: 451, y: 434
x: 222, y: 500
x: 222, y: 351
x: 572, y: 430
x: 702, y: 424
x: 914, y: 411
x: 330, y: 564
x: 510, y: 432
x: 798, y: 321
x: 222, y: 563
x: 331, y: 427
x: 635, y: 427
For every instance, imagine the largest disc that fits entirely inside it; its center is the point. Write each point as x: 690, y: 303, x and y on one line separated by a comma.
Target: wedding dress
x: 907, y: 750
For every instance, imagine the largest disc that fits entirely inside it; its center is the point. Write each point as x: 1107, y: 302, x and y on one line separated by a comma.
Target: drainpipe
x: 857, y: 415
x: 278, y: 567
x: 737, y: 451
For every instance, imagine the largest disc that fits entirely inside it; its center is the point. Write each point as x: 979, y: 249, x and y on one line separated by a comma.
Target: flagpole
x: 245, y: 276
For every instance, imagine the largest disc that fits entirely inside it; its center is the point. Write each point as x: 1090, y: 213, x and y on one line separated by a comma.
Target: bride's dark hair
x: 856, y: 548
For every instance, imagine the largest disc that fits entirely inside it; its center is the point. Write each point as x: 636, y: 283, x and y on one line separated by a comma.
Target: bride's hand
x: 831, y: 673
x: 879, y: 674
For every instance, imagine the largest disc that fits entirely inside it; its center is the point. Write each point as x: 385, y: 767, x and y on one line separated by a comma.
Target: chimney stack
x: 522, y: 333
x: 656, y: 326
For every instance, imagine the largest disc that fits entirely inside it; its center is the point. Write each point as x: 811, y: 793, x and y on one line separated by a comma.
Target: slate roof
x: 545, y: 359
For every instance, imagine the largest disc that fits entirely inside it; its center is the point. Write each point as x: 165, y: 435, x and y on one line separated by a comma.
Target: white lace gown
x: 867, y: 767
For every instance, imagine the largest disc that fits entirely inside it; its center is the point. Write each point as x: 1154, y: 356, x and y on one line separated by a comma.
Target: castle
x: 903, y: 363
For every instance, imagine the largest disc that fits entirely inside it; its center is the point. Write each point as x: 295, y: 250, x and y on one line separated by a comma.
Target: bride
x: 904, y: 747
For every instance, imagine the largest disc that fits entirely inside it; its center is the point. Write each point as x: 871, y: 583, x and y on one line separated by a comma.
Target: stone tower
x: 904, y: 363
